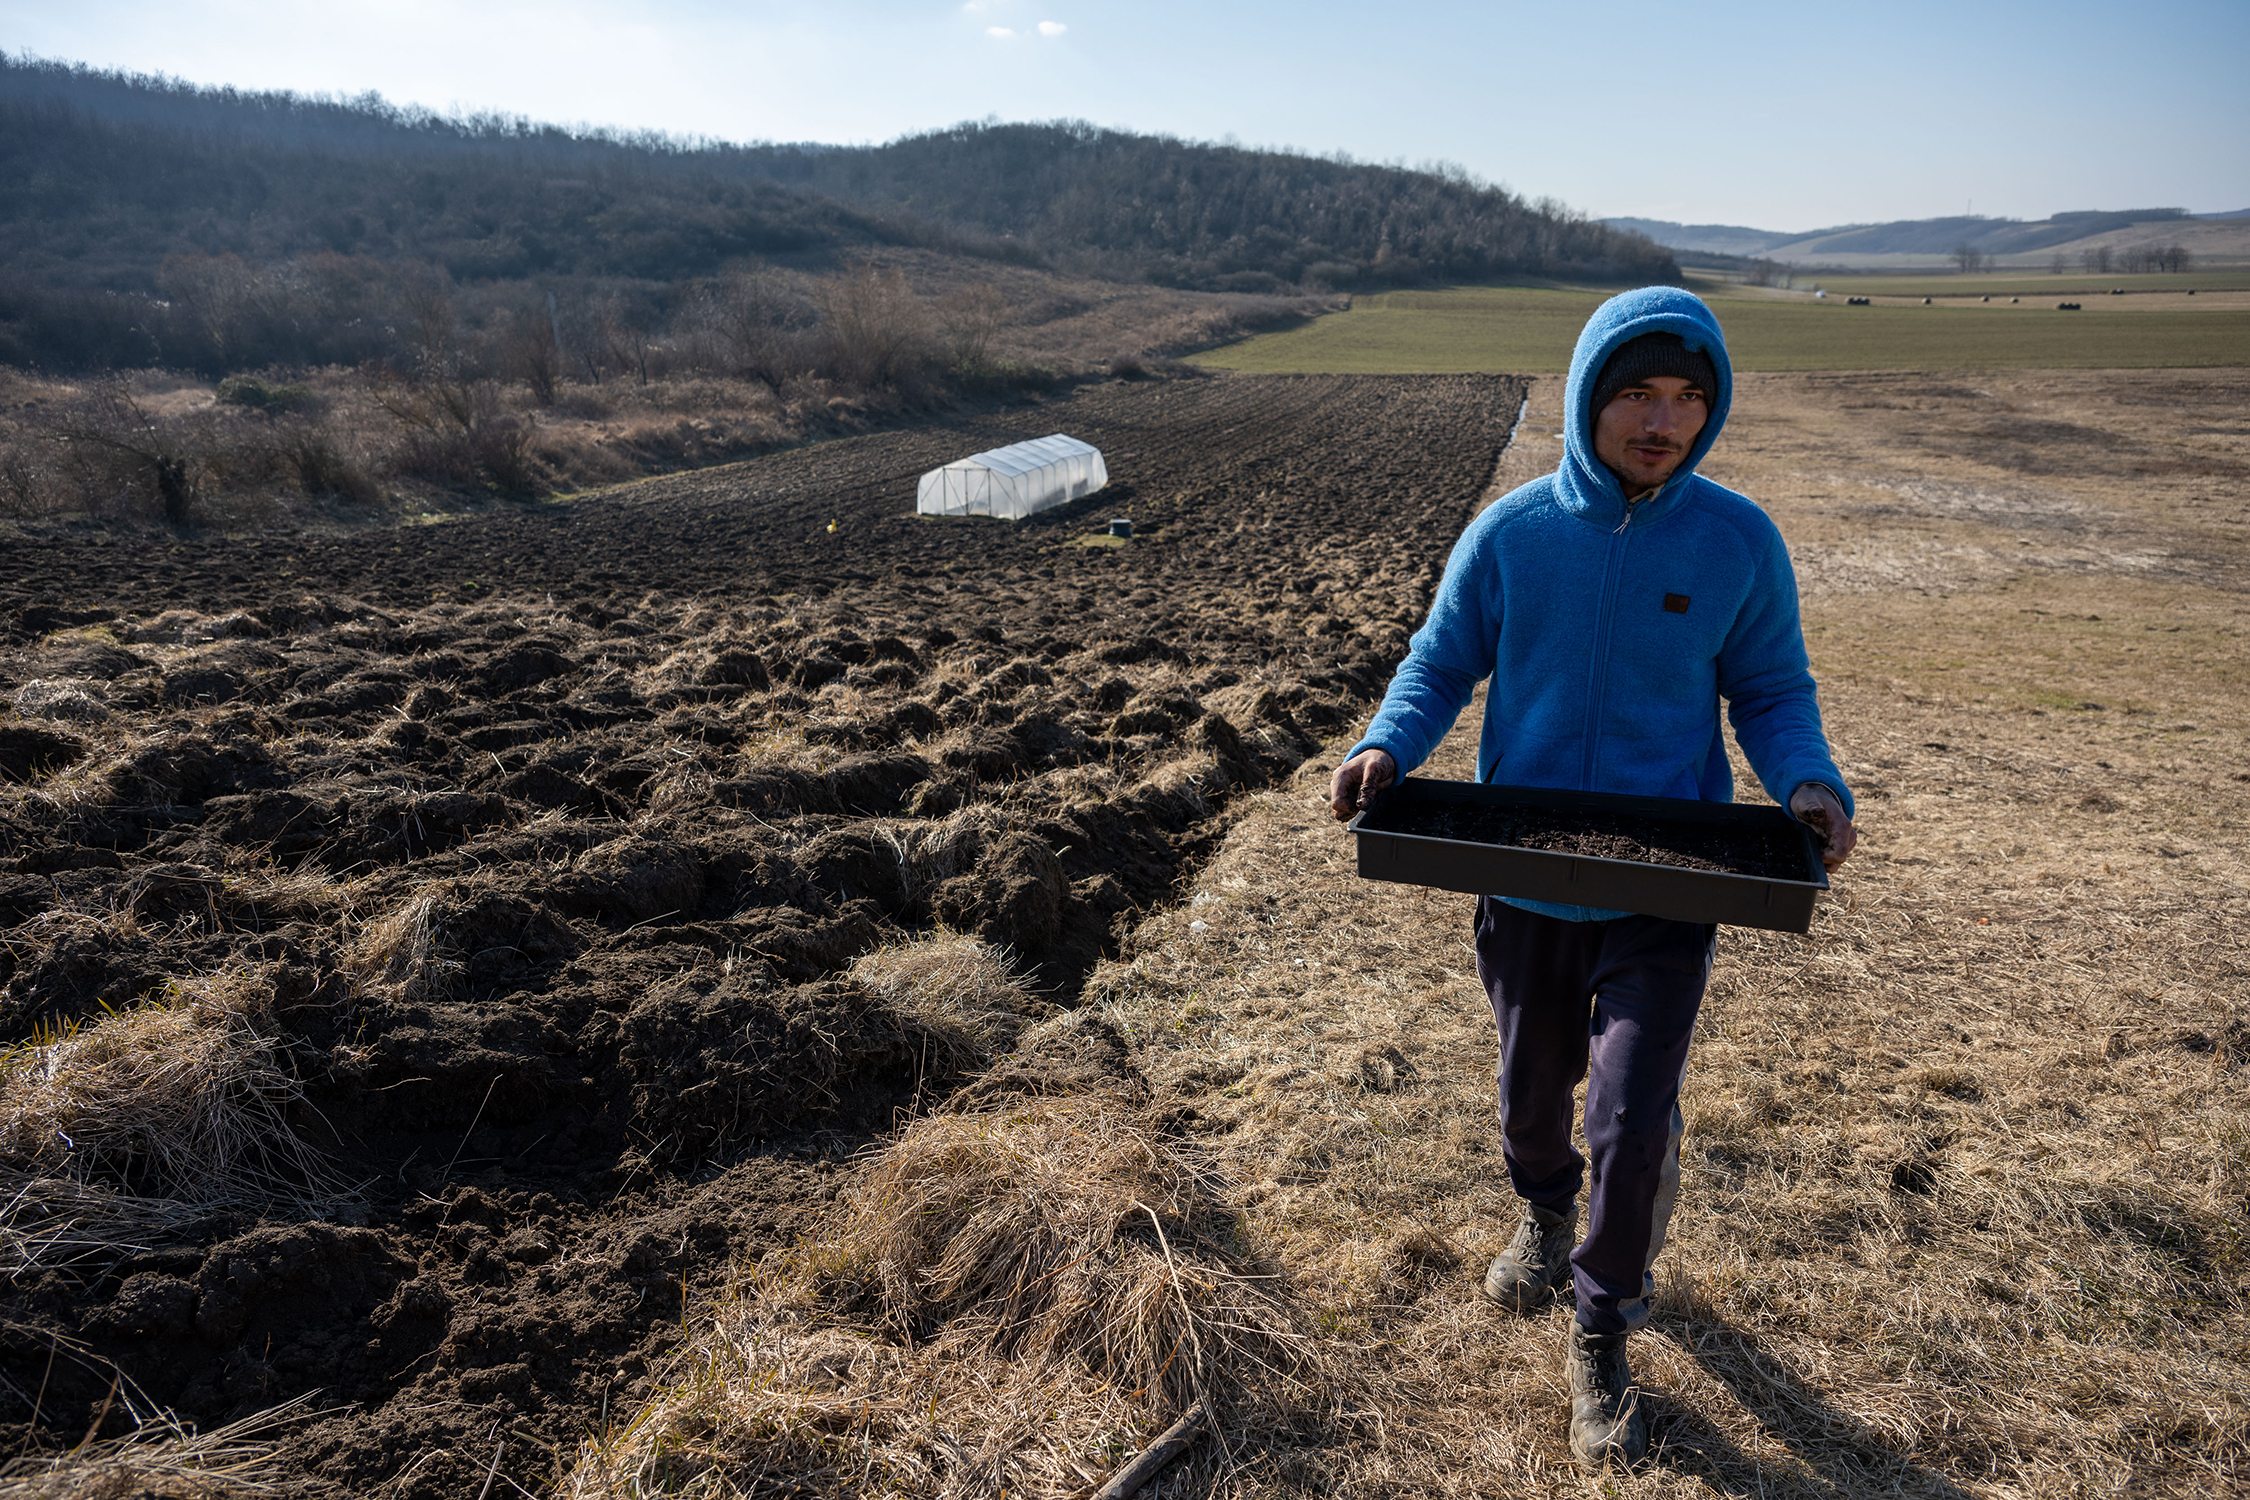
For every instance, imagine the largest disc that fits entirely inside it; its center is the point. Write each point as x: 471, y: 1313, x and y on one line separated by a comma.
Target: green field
x: 1532, y: 328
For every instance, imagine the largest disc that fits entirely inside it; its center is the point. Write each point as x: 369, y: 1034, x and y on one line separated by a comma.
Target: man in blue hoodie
x: 1612, y: 604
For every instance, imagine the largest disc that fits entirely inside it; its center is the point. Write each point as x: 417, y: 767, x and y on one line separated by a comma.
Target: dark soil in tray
x: 1762, y: 853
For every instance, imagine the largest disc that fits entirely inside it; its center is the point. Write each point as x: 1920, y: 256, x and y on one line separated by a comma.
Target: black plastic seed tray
x: 1414, y: 834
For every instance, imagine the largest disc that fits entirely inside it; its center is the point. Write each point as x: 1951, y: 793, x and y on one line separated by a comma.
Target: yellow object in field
x: 831, y: 528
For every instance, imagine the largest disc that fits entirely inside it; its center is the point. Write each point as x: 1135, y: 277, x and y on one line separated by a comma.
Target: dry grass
x: 1967, y: 1196
x: 398, y: 954
x: 960, y: 995
x: 1007, y: 1302
x: 120, y: 1132
x: 165, y: 1460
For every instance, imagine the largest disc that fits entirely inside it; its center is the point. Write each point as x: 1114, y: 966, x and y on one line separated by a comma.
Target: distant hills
x: 114, y: 189
x: 2207, y: 237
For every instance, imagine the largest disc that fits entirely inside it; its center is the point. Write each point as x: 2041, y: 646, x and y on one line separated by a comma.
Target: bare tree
x: 874, y: 332
x: 972, y: 318
x: 229, y: 302
x: 755, y: 325
x: 456, y: 429
x: 531, y: 352
x: 619, y: 339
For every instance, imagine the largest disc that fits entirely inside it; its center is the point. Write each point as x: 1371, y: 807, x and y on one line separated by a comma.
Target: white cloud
x: 976, y: 7
x: 1052, y: 28
x: 1005, y: 33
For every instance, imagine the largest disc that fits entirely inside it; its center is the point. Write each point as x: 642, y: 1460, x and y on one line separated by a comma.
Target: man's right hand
x: 1358, y: 780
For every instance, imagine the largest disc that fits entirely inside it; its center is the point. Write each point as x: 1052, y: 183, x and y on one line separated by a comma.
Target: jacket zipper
x: 1603, y: 615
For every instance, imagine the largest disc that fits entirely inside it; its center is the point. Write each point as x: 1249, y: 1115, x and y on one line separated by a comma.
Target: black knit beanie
x: 1652, y: 355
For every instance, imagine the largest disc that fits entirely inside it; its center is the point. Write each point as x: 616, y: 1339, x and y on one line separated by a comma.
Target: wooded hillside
x: 137, y: 212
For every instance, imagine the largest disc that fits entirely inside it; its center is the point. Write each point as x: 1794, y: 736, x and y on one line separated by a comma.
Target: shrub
x: 122, y: 459
x: 323, y: 469
x: 272, y: 397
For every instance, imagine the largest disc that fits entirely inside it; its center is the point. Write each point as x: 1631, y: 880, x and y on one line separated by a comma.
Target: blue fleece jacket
x: 1612, y: 630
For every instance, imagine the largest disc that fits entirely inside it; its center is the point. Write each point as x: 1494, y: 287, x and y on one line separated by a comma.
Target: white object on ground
x: 1013, y: 482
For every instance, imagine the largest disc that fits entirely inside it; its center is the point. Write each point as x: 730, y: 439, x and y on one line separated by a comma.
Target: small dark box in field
x: 1751, y: 866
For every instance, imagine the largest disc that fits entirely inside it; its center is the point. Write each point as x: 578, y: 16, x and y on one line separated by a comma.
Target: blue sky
x: 1782, y: 116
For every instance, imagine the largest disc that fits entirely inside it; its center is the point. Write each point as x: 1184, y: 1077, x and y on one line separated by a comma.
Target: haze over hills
x: 2206, y: 237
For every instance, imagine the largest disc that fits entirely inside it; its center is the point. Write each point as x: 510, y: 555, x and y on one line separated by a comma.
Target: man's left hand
x: 1820, y: 807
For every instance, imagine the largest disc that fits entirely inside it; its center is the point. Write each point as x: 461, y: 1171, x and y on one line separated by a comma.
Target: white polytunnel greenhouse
x: 1015, y: 481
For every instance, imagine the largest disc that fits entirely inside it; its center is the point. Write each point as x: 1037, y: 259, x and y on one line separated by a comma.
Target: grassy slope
x: 1532, y: 328
x: 1966, y: 1167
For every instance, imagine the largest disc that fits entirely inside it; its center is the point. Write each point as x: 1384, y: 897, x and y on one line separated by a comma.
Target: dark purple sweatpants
x: 1622, y: 996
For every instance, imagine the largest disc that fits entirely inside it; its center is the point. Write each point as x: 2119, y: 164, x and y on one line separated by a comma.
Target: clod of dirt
x: 23, y: 897
x: 1014, y: 898
x: 385, y: 826
x: 1382, y: 1070
x: 717, y: 1065
x: 734, y: 667
x: 28, y: 750
x: 188, y: 769
x: 93, y: 660
x: 859, y: 861
x: 75, y: 967
x: 208, y: 685
x: 634, y: 879
x: 520, y: 668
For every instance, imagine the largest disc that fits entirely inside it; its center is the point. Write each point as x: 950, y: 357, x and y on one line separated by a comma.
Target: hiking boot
x: 1523, y: 1277
x: 1607, y: 1425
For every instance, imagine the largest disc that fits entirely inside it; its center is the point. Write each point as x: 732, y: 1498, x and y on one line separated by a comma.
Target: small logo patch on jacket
x: 1675, y: 604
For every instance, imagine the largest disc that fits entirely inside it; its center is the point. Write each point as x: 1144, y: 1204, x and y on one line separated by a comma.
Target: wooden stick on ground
x: 1134, y: 1477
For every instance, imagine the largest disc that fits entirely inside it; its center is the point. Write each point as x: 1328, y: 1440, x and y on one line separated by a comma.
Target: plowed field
x: 545, y: 842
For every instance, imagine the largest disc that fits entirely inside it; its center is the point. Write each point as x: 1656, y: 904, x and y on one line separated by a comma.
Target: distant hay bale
x: 1006, y: 1302
x: 115, y: 1134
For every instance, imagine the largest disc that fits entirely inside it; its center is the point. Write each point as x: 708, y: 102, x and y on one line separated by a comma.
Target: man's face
x: 1647, y: 429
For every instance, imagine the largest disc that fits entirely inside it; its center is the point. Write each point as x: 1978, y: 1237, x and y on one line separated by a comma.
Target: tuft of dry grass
x: 960, y: 995
x: 398, y: 954
x: 1005, y: 1303
x: 164, y: 1459
x: 119, y: 1132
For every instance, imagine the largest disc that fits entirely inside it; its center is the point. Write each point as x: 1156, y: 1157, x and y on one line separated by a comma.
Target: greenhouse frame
x: 1013, y: 482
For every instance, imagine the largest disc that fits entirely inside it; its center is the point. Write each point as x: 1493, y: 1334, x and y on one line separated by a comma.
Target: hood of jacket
x: 1584, y: 484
